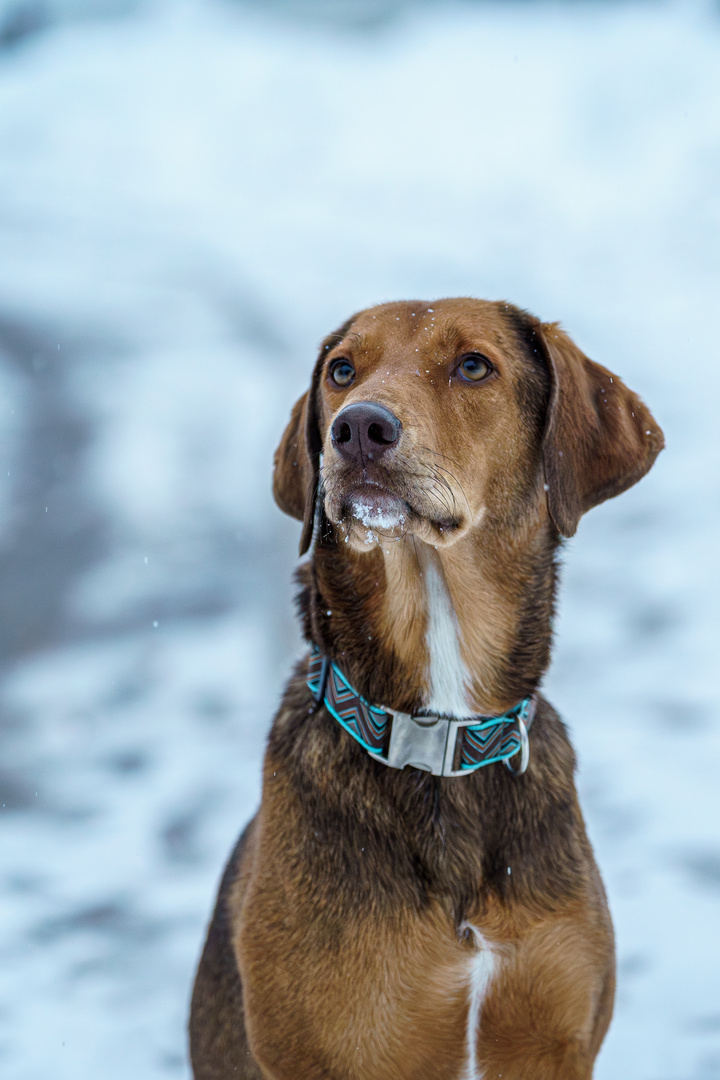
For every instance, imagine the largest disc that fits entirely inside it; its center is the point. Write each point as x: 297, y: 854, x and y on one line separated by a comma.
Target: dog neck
x: 456, y: 631
x: 447, y: 677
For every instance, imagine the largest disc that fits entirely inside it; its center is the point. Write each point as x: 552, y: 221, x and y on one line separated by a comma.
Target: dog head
x: 434, y: 417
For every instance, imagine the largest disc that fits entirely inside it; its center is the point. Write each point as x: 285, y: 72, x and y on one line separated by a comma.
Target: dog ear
x: 297, y: 463
x: 296, y: 476
x: 599, y: 439
x: 291, y: 475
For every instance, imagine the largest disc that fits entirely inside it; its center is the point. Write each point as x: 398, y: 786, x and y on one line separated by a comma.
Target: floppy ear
x: 297, y: 463
x: 296, y: 477
x: 599, y: 439
x: 291, y: 475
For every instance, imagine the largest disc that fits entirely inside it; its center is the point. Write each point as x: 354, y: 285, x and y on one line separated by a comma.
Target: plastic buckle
x: 424, y: 742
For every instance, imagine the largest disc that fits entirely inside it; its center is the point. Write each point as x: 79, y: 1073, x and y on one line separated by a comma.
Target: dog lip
x: 375, y: 506
x: 446, y: 525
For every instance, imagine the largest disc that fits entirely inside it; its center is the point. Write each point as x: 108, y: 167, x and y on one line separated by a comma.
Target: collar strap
x: 434, y: 744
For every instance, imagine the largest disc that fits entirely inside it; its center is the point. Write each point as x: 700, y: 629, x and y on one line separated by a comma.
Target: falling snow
x: 190, y: 198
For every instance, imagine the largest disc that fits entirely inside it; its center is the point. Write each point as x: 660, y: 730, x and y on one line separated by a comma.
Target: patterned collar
x: 434, y: 744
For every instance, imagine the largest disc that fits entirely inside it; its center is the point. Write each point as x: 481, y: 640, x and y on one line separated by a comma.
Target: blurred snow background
x: 191, y: 195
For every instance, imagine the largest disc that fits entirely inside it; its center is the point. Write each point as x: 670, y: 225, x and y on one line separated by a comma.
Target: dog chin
x: 379, y: 511
x: 369, y: 518
x: 367, y: 515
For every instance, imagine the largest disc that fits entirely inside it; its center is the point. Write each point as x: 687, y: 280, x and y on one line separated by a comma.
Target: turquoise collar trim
x: 435, y: 744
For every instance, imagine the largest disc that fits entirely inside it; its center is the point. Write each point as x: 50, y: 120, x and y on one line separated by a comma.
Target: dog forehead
x: 405, y: 328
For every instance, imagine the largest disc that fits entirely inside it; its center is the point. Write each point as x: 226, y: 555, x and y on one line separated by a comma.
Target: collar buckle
x: 430, y: 743
x: 424, y: 742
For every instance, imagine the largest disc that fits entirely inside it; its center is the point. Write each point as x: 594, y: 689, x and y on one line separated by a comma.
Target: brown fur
x: 341, y: 944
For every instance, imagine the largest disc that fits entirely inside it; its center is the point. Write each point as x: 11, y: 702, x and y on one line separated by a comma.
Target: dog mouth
x: 377, y: 504
x: 371, y: 511
x: 376, y: 508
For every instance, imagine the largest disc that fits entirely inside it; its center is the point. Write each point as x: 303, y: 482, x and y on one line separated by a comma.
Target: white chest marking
x: 447, y: 675
x: 481, y: 970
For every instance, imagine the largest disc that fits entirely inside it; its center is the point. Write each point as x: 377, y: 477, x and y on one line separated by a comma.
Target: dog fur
x: 377, y: 924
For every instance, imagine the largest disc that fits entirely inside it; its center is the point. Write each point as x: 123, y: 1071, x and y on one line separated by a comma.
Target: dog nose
x: 365, y: 431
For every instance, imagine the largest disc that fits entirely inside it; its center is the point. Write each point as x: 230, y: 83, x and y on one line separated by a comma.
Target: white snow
x: 190, y: 198
x: 377, y: 514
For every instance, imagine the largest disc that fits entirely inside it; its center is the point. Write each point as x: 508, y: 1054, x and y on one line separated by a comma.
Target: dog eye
x: 475, y: 367
x: 342, y: 372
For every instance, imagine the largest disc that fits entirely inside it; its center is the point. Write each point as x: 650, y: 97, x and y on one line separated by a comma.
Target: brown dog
x: 442, y: 921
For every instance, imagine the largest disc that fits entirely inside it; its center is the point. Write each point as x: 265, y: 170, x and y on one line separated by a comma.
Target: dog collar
x: 434, y: 744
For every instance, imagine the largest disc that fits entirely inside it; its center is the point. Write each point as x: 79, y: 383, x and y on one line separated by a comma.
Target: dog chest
x: 392, y: 1000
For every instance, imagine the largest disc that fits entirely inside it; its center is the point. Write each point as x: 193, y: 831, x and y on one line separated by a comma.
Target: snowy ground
x: 190, y: 197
